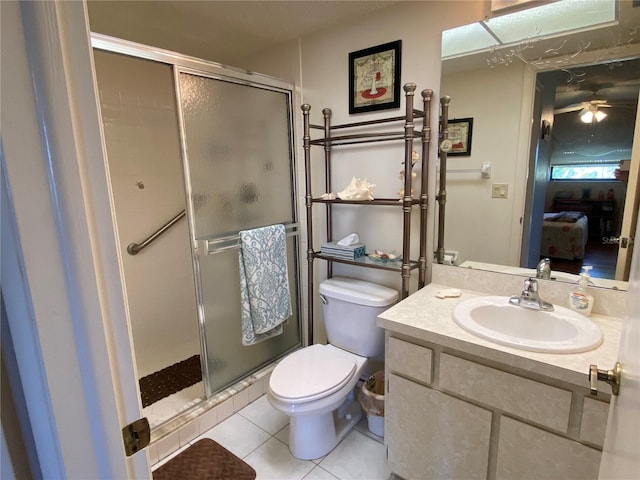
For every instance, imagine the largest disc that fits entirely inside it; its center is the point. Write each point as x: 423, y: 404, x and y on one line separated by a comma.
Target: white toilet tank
x: 350, y: 308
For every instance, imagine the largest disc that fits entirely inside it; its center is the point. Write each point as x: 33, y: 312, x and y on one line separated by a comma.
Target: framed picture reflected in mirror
x: 460, y: 130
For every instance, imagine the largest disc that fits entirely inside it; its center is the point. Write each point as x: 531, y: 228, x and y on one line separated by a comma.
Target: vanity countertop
x: 424, y: 316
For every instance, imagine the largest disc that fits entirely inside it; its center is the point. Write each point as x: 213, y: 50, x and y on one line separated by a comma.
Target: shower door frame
x: 191, y: 65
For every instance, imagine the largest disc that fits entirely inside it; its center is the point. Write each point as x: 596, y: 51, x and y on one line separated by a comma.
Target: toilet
x: 316, y: 385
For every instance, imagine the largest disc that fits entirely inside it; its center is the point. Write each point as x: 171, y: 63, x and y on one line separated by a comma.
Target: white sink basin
x: 495, y: 319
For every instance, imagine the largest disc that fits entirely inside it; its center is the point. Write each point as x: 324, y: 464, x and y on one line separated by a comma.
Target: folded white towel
x: 264, y: 283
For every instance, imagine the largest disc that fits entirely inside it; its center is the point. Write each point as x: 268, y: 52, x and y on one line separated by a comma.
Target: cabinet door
x: 431, y: 435
x: 546, y: 455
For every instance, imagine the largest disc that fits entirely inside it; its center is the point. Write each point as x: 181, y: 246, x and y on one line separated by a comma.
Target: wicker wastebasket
x: 371, y: 397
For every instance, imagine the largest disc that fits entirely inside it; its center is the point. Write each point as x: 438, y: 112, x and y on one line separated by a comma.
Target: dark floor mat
x: 205, y: 460
x: 170, y: 380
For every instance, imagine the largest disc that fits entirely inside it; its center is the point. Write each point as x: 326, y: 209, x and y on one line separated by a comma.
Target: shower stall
x: 197, y: 152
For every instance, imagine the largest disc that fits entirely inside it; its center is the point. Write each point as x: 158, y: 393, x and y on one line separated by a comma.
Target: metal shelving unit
x: 330, y: 140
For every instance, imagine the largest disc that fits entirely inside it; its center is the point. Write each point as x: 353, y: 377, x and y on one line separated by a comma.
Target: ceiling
x: 227, y: 31
x: 603, y: 79
x: 222, y: 31
x: 613, y: 40
x: 616, y: 82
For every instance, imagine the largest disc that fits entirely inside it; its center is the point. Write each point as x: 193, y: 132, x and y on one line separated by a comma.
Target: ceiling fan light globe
x: 600, y: 115
x: 586, y: 117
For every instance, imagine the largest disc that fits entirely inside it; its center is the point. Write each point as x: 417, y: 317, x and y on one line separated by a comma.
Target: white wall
x: 494, y: 99
x: 324, y: 83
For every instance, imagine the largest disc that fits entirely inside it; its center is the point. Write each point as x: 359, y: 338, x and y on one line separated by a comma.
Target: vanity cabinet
x: 470, y: 418
x: 337, y: 136
x: 435, y: 435
x: 525, y: 451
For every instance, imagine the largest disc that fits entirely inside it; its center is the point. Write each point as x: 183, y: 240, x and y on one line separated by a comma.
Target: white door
x: 621, y: 455
x: 630, y: 216
x: 60, y: 277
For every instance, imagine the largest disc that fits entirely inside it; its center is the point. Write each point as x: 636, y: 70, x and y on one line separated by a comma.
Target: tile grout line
x: 271, y: 435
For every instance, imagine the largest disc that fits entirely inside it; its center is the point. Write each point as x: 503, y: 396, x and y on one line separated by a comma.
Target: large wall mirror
x: 554, y: 113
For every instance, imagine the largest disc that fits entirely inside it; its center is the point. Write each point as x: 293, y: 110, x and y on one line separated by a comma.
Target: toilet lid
x: 312, y: 372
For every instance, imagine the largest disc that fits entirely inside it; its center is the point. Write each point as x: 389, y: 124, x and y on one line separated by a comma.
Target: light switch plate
x: 499, y: 190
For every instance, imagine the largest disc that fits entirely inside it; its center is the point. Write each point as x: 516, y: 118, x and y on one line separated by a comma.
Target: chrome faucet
x: 529, y: 298
x: 543, y: 270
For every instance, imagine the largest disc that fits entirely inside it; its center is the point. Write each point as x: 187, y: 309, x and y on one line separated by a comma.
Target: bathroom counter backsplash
x: 607, y: 301
x: 425, y: 317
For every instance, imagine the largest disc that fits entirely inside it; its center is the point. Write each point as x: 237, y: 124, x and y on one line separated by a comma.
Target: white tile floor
x: 259, y: 435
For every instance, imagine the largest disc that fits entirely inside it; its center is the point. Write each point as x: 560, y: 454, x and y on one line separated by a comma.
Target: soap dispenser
x: 581, y: 301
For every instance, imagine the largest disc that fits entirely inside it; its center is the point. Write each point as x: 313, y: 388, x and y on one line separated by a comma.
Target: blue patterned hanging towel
x: 264, y: 283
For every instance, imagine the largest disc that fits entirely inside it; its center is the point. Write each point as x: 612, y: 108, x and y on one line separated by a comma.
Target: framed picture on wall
x: 460, y: 130
x: 374, y: 78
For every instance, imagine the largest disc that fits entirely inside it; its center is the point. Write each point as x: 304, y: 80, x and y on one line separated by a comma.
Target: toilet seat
x: 312, y: 372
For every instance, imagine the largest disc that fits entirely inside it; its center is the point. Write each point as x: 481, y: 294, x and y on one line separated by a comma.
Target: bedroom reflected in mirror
x: 556, y: 115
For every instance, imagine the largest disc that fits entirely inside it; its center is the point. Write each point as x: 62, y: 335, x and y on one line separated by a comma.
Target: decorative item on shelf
x: 357, y: 189
x: 384, y: 257
x: 351, y: 252
x: 414, y: 158
x: 348, y: 248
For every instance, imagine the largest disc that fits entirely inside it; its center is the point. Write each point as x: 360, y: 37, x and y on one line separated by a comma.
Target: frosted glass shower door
x: 239, y: 168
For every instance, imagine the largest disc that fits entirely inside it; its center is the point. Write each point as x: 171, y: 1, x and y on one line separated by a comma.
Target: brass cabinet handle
x: 612, y: 377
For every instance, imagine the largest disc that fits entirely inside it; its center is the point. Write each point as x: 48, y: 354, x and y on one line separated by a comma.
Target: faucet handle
x: 543, y: 270
x: 531, y: 285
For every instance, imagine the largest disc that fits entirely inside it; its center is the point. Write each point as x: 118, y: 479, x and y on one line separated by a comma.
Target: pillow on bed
x: 566, y: 217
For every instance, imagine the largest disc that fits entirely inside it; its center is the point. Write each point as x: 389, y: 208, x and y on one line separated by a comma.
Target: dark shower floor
x: 170, y: 380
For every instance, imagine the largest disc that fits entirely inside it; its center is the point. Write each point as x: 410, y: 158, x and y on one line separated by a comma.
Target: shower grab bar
x: 229, y: 242
x: 135, y: 248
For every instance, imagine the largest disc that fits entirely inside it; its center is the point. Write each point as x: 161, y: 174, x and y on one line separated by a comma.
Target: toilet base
x: 313, y: 436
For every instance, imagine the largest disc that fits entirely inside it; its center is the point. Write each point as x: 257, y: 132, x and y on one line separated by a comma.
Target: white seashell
x: 414, y: 175
x: 357, y: 190
x: 401, y: 192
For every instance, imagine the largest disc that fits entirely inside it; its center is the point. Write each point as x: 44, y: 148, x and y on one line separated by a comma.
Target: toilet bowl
x: 316, y: 385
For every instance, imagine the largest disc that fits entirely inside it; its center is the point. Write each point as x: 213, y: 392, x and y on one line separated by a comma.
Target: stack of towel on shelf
x: 264, y: 283
x: 349, y: 252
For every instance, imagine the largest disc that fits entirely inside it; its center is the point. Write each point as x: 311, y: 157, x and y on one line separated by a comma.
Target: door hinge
x: 136, y: 436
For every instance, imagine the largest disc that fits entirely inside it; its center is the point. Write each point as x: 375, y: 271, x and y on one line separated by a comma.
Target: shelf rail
x: 441, y: 196
x: 135, y: 248
x: 329, y: 140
